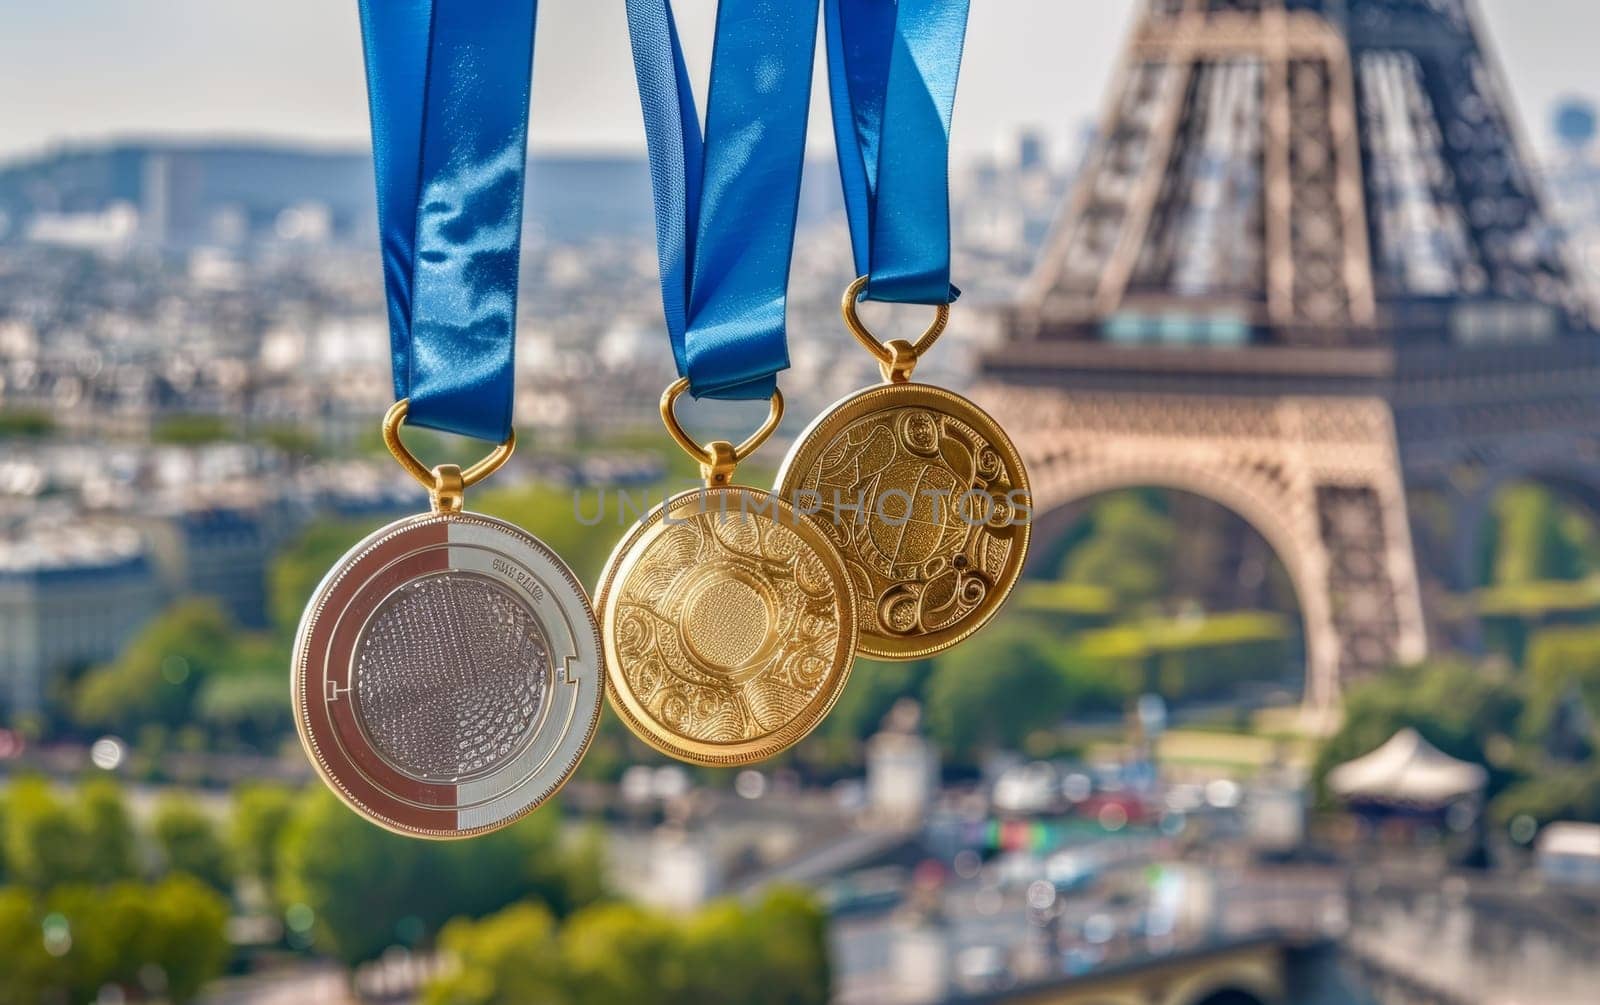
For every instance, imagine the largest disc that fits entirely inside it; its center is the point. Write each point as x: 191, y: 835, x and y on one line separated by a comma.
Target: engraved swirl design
x: 451, y: 671
x: 937, y: 541
x: 727, y: 628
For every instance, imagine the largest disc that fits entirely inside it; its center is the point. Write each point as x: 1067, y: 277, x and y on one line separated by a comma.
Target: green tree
x: 30, y: 972
x: 245, y: 707
x: 794, y: 927
x: 1466, y: 711
x: 156, y: 677
x: 728, y: 953
x: 297, y: 442
x: 575, y: 876
x: 623, y: 953
x: 1561, y: 662
x: 511, y: 956
x: 110, y: 842
x: 369, y: 889
x: 356, y: 878
x: 261, y: 813
x: 995, y: 695
x: 774, y: 952
x: 49, y: 841
x: 188, y: 935
x: 189, y: 842
x: 1565, y: 792
x: 244, y: 704
x: 43, y: 839
x: 1128, y: 551
x: 168, y: 939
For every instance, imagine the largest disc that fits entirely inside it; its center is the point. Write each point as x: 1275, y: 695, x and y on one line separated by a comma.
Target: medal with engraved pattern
x: 446, y: 675
x: 922, y: 493
x: 728, y: 618
x: 920, y: 490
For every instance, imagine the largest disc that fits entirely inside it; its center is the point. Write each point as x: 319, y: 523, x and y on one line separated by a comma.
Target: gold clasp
x: 897, y: 357
x: 719, y: 457
x: 446, y: 483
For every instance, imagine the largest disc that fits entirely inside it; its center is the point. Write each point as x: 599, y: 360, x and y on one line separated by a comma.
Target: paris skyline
x: 99, y: 70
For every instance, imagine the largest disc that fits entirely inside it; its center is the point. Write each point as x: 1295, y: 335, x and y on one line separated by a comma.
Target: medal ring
x: 897, y: 357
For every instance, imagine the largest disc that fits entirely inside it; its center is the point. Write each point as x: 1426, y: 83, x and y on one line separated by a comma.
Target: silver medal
x: 447, y: 675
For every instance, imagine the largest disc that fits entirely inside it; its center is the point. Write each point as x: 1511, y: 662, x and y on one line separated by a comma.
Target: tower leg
x: 1318, y: 478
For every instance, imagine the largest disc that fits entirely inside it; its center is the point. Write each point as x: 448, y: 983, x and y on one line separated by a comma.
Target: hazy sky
x: 74, y: 70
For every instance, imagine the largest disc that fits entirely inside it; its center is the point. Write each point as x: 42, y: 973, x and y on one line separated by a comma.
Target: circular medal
x: 924, y: 496
x: 728, y: 618
x: 729, y: 626
x: 447, y: 675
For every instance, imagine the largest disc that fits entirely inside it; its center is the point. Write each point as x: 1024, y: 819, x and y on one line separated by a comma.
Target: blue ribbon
x: 726, y: 204
x: 892, y: 70
x: 448, y: 83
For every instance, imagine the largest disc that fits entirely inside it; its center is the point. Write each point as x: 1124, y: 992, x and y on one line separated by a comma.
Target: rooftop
x: 62, y: 548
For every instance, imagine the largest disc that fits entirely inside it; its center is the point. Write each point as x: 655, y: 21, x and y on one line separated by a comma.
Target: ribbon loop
x: 448, y: 85
x: 725, y: 203
x: 892, y: 72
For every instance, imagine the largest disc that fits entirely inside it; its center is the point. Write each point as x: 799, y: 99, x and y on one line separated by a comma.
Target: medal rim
x: 705, y: 752
x: 812, y: 439
x: 300, y: 673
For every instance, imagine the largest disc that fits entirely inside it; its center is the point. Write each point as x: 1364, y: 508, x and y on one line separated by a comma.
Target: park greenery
x: 93, y: 893
x: 368, y: 889
x: 88, y: 899
x: 161, y: 940
x: 1528, y: 710
x: 1534, y: 731
x: 94, y: 896
x: 1081, y: 644
x: 729, y: 953
x: 25, y: 424
x: 1113, y: 614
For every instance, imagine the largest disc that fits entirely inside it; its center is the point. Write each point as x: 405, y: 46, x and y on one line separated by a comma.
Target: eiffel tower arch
x: 1304, y: 270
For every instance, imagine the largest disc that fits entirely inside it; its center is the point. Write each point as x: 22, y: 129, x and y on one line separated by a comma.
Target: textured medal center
x: 451, y: 671
x: 726, y: 624
x: 728, y: 630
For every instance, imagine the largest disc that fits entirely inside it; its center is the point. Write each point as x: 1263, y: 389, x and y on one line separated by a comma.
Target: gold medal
x: 921, y: 492
x: 446, y: 676
x: 728, y: 617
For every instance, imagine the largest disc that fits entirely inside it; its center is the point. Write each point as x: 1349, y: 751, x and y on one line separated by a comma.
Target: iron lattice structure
x: 1306, y: 271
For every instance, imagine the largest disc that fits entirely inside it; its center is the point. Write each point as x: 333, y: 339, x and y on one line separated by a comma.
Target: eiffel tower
x: 1306, y: 272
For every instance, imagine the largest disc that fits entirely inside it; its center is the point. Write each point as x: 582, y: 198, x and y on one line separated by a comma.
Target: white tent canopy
x: 1407, y: 769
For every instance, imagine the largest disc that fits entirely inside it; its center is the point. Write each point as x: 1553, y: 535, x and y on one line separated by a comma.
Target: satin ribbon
x: 448, y: 83
x: 726, y: 204
x: 892, y: 71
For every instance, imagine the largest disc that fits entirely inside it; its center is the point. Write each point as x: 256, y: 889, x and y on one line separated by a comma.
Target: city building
x: 70, y: 597
x: 220, y: 548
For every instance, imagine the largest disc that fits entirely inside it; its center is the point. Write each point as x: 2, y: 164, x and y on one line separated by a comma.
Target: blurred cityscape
x: 1165, y: 775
